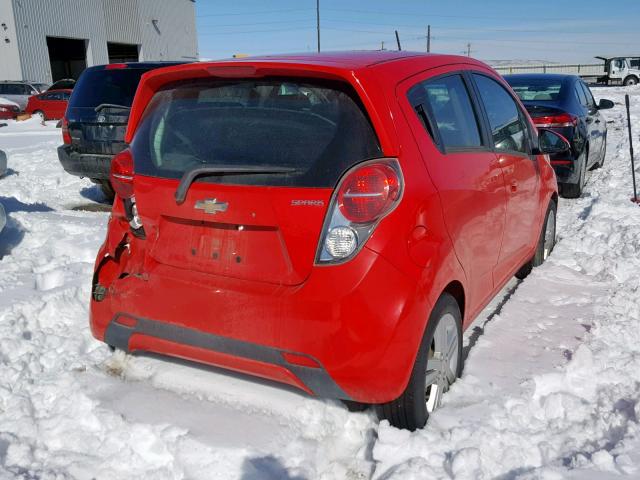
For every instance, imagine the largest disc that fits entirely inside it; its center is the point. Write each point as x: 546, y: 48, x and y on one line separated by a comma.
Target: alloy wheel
x: 442, y: 363
x: 549, y: 234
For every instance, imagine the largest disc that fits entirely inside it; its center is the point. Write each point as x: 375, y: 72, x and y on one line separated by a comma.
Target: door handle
x: 514, y: 186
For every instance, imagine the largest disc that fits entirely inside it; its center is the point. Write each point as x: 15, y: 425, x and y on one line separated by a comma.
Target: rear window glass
x: 536, y: 89
x: 318, y: 129
x: 117, y: 86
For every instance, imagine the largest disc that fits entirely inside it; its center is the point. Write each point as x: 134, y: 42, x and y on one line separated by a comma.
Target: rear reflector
x: 122, y: 174
x: 556, y: 121
x: 561, y: 162
x: 114, y: 66
x: 127, y: 321
x: 302, y: 360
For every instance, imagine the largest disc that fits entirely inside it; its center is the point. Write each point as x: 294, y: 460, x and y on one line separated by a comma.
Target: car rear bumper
x: 84, y: 164
x: 350, y: 331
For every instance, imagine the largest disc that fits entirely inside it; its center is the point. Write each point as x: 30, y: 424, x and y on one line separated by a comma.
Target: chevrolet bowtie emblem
x: 211, y: 206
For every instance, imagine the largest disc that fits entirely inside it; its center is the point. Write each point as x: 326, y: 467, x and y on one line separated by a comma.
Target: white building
x: 46, y: 40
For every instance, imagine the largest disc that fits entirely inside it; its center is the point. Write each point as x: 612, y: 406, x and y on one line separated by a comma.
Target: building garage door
x: 68, y: 57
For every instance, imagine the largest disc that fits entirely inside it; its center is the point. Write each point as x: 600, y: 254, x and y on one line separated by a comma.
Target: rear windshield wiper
x: 111, y: 105
x: 190, y: 175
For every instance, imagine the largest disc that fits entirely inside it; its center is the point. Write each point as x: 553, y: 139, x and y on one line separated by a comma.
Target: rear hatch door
x: 274, y: 148
x: 99, y: 106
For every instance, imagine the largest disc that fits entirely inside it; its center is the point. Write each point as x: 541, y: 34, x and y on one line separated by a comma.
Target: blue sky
x: 560, y: 30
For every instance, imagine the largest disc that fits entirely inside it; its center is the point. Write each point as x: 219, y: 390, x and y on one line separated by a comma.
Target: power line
x: 414, y: 14
x: 256, y: 23
x: 258, y: 31
x: 264, y: 12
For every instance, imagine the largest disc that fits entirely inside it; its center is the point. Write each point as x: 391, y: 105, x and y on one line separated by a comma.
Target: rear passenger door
x: 464, y: 169
x: 595, y: 125
x: 511, y: 140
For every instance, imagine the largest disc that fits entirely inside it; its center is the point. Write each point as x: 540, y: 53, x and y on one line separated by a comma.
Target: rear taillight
x: 66, y: 136
x: 367, y: 192
x: 121, y: 178
x: 556, y: 121
x: 122, y: 174
x: 365, y: 195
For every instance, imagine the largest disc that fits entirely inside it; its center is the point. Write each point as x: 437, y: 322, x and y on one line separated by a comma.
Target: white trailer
x: 612, y: 70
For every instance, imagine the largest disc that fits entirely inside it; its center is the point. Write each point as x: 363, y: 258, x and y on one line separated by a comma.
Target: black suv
x: 96, y: 119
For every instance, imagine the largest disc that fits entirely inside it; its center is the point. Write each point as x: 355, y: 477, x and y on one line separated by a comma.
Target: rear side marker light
x: 365, y: 194
x: 115, y: 66
x: 556, y: 121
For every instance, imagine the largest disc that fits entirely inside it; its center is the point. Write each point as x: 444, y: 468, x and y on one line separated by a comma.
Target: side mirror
x: 605, y: 104
x: 551, y: 143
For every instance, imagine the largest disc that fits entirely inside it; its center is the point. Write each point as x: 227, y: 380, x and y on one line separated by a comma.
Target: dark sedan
x: 565, y: 104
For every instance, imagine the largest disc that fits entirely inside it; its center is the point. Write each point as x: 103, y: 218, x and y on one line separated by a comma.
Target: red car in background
x: 8, y: 109
x: 332, y: 222
x: 51, y: 104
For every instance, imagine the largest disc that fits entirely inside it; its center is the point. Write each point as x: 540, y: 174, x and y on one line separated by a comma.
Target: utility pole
x: 318, y: 21
x: 428, y: 38
x: 468, y: 49
x: 382, y: 46
x: 398, y: 41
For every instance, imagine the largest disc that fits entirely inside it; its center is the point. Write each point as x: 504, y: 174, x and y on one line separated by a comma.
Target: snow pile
x: 550, y: 388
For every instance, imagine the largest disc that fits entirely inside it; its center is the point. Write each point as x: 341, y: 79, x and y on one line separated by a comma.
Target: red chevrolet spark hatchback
x: 331, y: 221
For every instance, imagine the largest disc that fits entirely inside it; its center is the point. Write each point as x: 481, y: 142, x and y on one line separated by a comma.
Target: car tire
x: 630, y: 80
x: 437, y: 365
x: 546, y: 242
x: 107, y: 190
x: 574, y: 190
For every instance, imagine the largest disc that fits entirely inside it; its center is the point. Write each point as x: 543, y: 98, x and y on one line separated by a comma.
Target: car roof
x: 350, y: 60
x: 68, y: 90
x: 542, y: 76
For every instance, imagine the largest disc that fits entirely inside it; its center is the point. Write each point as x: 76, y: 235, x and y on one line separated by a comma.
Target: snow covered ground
x: 551, y: 385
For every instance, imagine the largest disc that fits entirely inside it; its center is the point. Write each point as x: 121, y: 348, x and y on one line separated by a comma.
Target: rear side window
x: 507, y: 128
x: 580, y: 94
x: 591, y: 103
x: 445, y: 101
x: 318, y: 129
x: 117, y: 86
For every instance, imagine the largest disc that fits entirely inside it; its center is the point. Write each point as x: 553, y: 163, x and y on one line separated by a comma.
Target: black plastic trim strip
x: 317, y: 380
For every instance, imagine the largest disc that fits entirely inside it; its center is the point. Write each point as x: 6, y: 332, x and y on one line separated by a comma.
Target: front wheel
x: 438, y: 364
x: 630, y: 81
